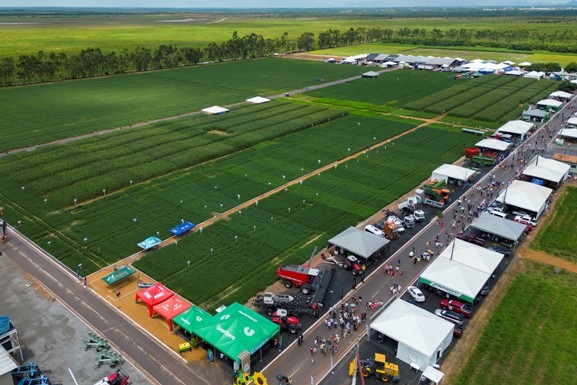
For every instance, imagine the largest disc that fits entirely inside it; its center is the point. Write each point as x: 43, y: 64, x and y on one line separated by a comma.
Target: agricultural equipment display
x: 30, y: 374
x: 116, y: 378
x: 377, y: 366
x: 482, y: 160
x: 436, y: 193
x: 95, y: 341
x: 308, y: 279
x: 109, y: 357
x: 270, y: 302
x: 286, y: 322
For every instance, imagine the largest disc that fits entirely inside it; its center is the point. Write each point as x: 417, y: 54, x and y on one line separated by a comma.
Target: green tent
x: 118, y: 275
x: 232, y: 331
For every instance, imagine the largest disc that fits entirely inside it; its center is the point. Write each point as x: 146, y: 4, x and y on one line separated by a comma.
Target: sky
x: 269, y: 3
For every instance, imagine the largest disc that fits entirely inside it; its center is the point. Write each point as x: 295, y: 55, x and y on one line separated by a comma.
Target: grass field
x: 557, y: 236
x: 44, y: 113
x: 530, y: 338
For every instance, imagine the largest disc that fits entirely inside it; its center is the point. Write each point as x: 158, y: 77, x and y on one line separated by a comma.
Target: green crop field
x: 44, y: 113
x: 530, y: 338
x: 557, y: 237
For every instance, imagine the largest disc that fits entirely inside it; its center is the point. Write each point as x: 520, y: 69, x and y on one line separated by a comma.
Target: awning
x: 547, y: 169
x: 192, y: 318
x: 454, y: 172
x: 561, y: 94
x: 550, y: 103
x: 358, y: 242
x: 526, y: 195
x: 493, y: 144
x: 154, y: 295
x: 569, y: 133
x: 499, y: 226
x: 518, y: 127
x: 171, y: 308
x: 118, y: 275
x: 182, y: 228
x: 149, y: 243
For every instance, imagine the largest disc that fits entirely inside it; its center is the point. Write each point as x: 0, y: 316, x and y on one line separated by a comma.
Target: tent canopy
x: 232, y: 331
x: 561, y: 94
x: 258, y: 99
x: 535, y: 113
x: 572, y: 121
x: 499, y: 226
x: 358, y: 242
x: 182, y: 228
x: 154, y: 295
x: 451, y: 171
x: 414, y: 327
x: 518, y: 127
x: 371, y: 74
x: 525, y: 195
x: 149, y: 243
x: 471, y: 255
x: 214, y: 110
x: 493, y: 144
x: 190, y: 319
x: 118, y: 275
x: 547, y: 169
x: 433, y: 374
x: 171, y: 308
x: 550, y: 103
x: 569, y: 133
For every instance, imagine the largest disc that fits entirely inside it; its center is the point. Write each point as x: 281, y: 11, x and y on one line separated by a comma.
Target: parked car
x: 457, y: 331
x: 472, y: 239
x: 416, y: 293
x: 499, y: 214
x: 485, y: 290
x: 507, y: 252
x: 375, y: 231
x: 450, y: 316
x: 457, y: 307
x: 526, y: 220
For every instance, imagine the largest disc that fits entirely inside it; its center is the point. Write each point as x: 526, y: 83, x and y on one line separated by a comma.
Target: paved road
x: 158, y: 363
x: 297, y: 362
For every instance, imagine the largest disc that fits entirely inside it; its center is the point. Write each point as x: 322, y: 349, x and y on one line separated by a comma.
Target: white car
x: 526, y: 220
x: 416, y: 293
x: 375, y: 231
x: 397, y: 221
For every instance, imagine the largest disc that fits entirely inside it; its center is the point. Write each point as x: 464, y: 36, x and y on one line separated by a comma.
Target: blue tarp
x: 149, y: 243
x: 182, y: 228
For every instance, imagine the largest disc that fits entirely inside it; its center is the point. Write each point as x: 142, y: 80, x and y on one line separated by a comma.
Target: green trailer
x: 480, y: 160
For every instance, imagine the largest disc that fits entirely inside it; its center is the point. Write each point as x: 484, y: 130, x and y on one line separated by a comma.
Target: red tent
x: 154, y: 295
x: 171, y: 308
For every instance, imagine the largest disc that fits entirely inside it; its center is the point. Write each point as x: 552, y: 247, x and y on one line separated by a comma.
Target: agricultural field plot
x: 43, y: 113
x: 285, y: 227
x: 558, y: 235
x: 102, y: 231
x: 391, y: 89
x: 530, y: 337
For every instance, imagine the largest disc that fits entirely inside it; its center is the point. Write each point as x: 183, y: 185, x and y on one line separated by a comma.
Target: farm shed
x: 549, y: 104
x: 452, y: 174
x: 547, y: 169
x: 518, y: 128
x: 500, y: 227
x: 493, y: 144
x: 153, y: 296
x: 535, y: 115
x: 171, y: 308
x: 7, y: 365
x: 258, y: 100
x: 561, y: 95
x: 359, y: 243
x: 462, y: 270
x: 370, y: 75
x: 214, y: 110
x: 526, y: 196
x: 422, y: 337
x: 234, y: 330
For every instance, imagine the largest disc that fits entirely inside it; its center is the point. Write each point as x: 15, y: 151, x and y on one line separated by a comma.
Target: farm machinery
x: 105, y: 353
x: 377, y: 366
x: 436, y: 193
x: 309, y: 280
x: 286, y: 322
x: 30, y: 374
x: 476, y: 158
x: 269, y: 303
x: 116, y: 378
x: 95, y: 341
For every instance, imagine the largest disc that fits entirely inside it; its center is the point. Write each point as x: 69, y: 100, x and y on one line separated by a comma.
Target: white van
x: 499, y: 214
x: 375, y: 231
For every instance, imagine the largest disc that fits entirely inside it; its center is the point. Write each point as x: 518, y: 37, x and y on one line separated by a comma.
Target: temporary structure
x: 154, y: 295
x: 358, y: 242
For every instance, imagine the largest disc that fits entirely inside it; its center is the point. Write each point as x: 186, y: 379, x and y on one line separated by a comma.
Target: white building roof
x: 547, y: 169
x: 258, y: 100
x: 493, y: 144
x: 214, y: 110
x: 561, y: 94
x: 524, y: 64
x: 415, y: 327
x: 550, y: 103
x: 358, y: 242
x: 569, y: 133
x: 473, y: 256
x: 572, y: 121
x: 518, y: 127
x: 452, y: 171
x: 526, y: 195
x: 499, y: 226
x: 433, y: 374
x: 533, y: 74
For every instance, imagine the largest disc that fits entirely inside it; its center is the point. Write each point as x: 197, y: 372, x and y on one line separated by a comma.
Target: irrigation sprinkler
x: 319, y: 161
x: 134, y: 220
x: 238, y: 196
x: 239, y: 212
x: 103, y: 191
x: 236, y: 238
x: 188, y: 263
x: 256, y: 203
x: 45, y: 201
x: 289, y: 209
x: 78, y: 268
x: 283, y: 177
x: 75, y: 201
x: 23, y: 187
x: 254, y: 227
x: 211, y: 250
x: 131, y: 182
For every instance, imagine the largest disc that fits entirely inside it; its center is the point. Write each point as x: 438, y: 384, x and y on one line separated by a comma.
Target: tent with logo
x: 154, y: 295
x: 232, y: 331
x: 171, y: 308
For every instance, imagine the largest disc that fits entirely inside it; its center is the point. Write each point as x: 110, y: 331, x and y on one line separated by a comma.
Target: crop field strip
x: 44, y: 113
x: 531, y: 333
x: 270, y: 233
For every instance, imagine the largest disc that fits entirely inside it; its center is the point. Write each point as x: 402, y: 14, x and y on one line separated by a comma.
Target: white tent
x: 569, y: 133
x: 422, y: 336
x: 561, y: 95
x: 360, y: 243
x: 517, y: 127
x: 433, y: 374
x: 547, y: 169
x: 258, y: 100
x: 451, y: 171
x: 370, y: 74
x: 214, y: 110
x: 493, y: 144
x: 501, y: 227
x: 572, y: 121
x: 473, y: 256
x: 524, y: 64
x: 549, y: 103
x: 525, y: 195
x: 533, y: 74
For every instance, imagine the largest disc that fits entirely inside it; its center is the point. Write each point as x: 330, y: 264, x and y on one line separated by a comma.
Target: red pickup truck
x: 457, y: 307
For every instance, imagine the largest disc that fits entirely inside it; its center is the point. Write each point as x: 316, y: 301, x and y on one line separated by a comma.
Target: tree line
x: 92, y: 62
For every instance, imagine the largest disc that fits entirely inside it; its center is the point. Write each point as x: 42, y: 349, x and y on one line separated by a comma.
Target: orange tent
x: 171, y: 308
x: 154, y: 295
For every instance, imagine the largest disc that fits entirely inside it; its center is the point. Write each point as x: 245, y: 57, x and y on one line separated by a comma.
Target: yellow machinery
x: 377, y: 366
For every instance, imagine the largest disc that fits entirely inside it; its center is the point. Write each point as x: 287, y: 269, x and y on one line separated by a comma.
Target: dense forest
x: 91, y: 62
